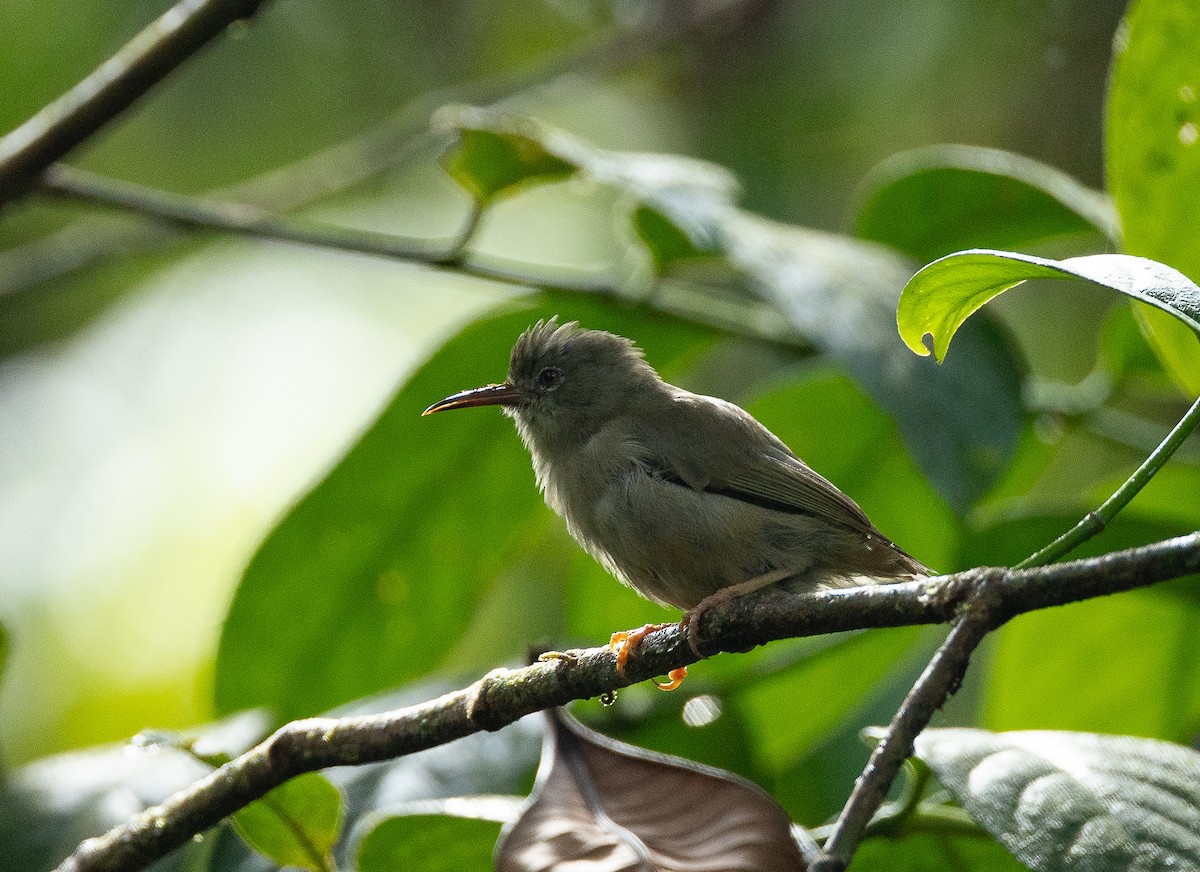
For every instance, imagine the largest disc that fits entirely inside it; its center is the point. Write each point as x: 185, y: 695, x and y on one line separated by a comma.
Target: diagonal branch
x: 111, y: 88
x: 505, y: 695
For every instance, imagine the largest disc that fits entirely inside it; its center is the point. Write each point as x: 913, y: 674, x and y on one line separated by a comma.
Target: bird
x: 685, y: 498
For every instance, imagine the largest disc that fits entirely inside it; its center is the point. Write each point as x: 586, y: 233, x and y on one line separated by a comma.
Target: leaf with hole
x: 932, y: 201
x: 939, y: 298
x: 1075, y: 802
x: 618, y: 807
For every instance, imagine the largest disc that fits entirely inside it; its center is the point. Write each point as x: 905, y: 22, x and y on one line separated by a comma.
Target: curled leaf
x: 1075, y: 802
x: 618, y: 807
x: 939, y: 298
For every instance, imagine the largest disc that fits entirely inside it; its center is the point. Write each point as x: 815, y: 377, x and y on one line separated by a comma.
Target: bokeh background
x: 163, y: 405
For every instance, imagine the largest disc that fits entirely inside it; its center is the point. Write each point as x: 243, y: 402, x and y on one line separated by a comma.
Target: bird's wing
x: 718, y: 447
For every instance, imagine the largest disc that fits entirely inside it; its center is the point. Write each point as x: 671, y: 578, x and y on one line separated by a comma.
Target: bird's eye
x: 549, y: 377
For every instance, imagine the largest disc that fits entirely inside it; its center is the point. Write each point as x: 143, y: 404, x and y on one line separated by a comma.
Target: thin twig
x: 203, y: 214
x: 1094, y: 522
x: 355, y: 160
x: 941, y: 678
x: 503, y: 696
x: 111, y: 88
x: 945, y: 671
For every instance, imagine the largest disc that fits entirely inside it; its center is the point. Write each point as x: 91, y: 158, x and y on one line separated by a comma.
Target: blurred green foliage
x: 217, y: 492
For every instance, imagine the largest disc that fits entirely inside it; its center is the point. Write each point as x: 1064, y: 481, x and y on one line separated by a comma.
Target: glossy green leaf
x: 961, y: 424
x: 1075, y: 802
x: 1153, y: 157
x: 430, y: 843
x: 296, y: 824
x: 939, y: 298
x: 373, y: 578
x: 929, y: 852
x: 932, y: 201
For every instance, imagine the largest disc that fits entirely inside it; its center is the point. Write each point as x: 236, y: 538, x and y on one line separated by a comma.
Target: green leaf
x: 1175, y: 346
x: 1075, y: 801
x: 961, y: 425
x: 939, y: 298
x: 673, y: 199
x: 430, y: 843
x: 834, y: 682
x: 1059, y: 669
x: 1153, y: 157
x: 296, y: 824
x: 373, y: 578
x: 927, y: 852
x: 932, y: 201
x: 492, y: 162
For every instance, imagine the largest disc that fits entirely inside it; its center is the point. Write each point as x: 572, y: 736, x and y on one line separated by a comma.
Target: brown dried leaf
x: 609, y: 807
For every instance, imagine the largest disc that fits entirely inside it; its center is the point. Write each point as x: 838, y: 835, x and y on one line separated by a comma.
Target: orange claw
x: 674, y: 678
x: 627, y: 641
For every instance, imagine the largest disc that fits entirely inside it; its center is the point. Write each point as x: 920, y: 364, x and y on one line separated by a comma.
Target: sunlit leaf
x: 371, y: 580
x: 932, y: 201
x: 620, y: 807
x: 1153, y: 157
x: 296, y: 824
x: 1075, y: 801
x: 1174, y: 344
x: 939, y: 298
x: 674, y: 199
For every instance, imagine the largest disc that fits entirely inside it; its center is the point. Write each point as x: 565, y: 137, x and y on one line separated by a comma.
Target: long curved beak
x: 488, y: 395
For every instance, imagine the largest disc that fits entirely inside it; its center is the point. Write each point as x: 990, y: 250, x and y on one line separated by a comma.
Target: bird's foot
x: 689, y: 624
x: 627, y: 641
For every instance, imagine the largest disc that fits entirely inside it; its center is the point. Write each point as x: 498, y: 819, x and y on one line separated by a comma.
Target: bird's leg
x: 690, y: 622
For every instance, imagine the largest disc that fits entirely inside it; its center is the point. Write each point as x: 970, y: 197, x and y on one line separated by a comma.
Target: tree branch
x: 390, y: 143
x: 111, y: 88
x: 505, y: 695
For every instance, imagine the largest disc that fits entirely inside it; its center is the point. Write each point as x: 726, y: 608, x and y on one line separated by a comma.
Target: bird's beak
x: 488, y: 395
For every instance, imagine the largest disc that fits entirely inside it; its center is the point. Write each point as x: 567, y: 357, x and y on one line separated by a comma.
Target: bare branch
x: 505, y: 695
x: 111, y: 88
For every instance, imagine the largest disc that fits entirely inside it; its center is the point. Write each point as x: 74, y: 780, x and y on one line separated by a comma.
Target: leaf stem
x: 1095, y: 521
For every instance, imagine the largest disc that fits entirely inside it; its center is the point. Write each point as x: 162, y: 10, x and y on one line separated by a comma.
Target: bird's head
x: 564, y: 382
